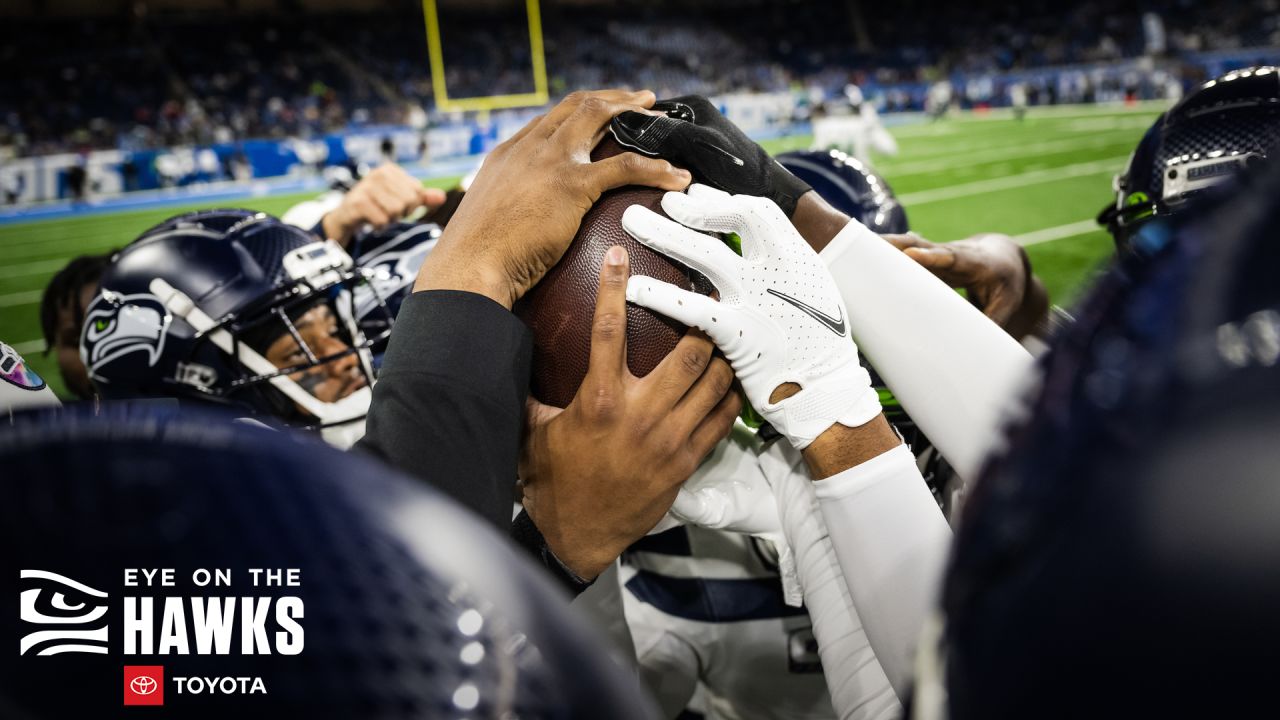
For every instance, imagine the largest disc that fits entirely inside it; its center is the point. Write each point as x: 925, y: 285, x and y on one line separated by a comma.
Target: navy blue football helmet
x: 1221, y: 126
x: 405, y: 606
x: 850, y: 187
x: 1119, y: 560
x: 188, y: 312
x: 216, y: 219
x: 390, y: 259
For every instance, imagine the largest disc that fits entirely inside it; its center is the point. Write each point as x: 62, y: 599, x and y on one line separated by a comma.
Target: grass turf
x: 1039, y: 180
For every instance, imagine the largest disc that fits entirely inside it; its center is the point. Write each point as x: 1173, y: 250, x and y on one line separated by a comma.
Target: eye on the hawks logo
x: 143, y: 684
x: 117, y: 325
x: 70, y: 616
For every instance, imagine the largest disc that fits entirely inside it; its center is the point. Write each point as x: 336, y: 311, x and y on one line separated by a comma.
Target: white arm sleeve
x: 858, y: 686
x: 951, y: 367
x: 891, y: 542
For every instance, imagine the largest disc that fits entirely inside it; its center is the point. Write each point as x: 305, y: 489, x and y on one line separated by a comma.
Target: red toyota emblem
x: 143, y: 684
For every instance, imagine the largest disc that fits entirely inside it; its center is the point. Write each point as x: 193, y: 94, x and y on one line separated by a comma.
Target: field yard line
x: 1008, y: 152
x: 1009, y: 182
x: 1057, y: 233
x: 31, y: 297
x: 30, y: 346
x: 1036, y: 114
x: 60, y: 247
x: 33, y: 268
x: 996, y: 143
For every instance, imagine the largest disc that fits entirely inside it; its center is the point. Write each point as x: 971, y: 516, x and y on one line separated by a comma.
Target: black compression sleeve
x: 448, y: 406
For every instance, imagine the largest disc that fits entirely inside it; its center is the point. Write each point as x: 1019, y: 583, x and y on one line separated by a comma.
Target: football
x: 559, y: 309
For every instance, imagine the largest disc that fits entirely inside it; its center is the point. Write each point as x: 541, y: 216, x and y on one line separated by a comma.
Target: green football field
x: 1041, y: 180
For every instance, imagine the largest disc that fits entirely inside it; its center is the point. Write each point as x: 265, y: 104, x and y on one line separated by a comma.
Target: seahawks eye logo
x: 71, y: 616
x: 117, y: 325
x: 390, y: 271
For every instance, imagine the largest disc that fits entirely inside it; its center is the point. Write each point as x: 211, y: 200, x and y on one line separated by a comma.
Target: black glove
x: 695, y: 136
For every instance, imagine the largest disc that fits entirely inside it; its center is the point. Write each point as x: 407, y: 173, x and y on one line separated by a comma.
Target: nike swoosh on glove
x: 694, y: 135
x: 780, y: 318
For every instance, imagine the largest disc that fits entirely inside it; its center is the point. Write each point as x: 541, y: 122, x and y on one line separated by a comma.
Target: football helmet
x: 1119, y: 559
x: 390, y: 259
x: 1224, y: 124
x: 190, y: 312
x: 850, y: 187
x: 216, y: 219
x: 406, y: 605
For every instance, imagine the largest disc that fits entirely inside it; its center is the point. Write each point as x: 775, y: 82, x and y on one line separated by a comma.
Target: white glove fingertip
x: 698, y: 211
x: 689, y: 507
x: 703, y: 253
x: 684, y: 307
x: 640, y: 222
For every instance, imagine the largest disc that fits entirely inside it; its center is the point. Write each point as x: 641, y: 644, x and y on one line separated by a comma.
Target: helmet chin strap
x: 344, y: 412
x: 345, y: 435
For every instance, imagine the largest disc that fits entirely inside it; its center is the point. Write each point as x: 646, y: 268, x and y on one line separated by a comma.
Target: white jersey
x: 308, y: 213
x: 858, y: 134
x: 731, y: 633
x: 705, y: 609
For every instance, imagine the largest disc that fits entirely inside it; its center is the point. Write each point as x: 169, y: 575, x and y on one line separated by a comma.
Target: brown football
x: 559, y: 309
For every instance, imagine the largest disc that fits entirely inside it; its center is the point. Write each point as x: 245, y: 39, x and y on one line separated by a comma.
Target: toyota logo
x: 143, y: 685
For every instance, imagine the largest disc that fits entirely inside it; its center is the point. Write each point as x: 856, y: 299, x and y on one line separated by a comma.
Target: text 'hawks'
x: 209, y: 624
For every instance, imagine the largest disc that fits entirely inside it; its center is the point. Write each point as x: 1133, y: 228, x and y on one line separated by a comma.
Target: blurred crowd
x: 165, y: 81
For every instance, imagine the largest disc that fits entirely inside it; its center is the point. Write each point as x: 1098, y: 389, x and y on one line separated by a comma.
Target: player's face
x: 330, y: 381
x: 67, y: 344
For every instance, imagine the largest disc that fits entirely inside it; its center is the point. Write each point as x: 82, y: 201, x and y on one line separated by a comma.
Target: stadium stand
x: 217, y: 75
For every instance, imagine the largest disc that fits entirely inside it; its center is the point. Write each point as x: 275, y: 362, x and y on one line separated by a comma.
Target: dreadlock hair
x: 64, y: 289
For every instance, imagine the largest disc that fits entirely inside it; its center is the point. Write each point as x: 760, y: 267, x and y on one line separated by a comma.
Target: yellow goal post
x: 539, y: 95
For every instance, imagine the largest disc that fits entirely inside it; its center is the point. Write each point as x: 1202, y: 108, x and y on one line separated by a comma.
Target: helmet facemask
x: 286, y: 345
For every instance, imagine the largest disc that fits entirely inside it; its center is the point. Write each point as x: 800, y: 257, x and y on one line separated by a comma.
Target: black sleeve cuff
x: 527, y: 536
x: 448, y: 406
x: 464, y: 338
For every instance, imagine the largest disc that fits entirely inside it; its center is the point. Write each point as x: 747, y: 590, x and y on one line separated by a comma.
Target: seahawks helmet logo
x: 390, y: 271
x: 118, y: 325
x: 70, y: 616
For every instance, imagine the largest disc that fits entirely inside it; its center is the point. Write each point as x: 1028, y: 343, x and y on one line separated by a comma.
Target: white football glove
x: 780, y: 318
x: 729, y: 491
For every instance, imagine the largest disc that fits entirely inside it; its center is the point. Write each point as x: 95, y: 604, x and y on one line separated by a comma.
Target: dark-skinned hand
x: 385, y: 195
x: 599, y: 474
x: 529, y: 197
x: 992, y: 269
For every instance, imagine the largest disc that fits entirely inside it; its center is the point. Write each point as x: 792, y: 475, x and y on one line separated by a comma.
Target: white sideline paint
x: 1034, y: 113
x: 30, y: 297
x: 33, y: 268
x: 982, y: 156
x: 1009, y: 182
x: 30, y: 346
x: 1057, y: 233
